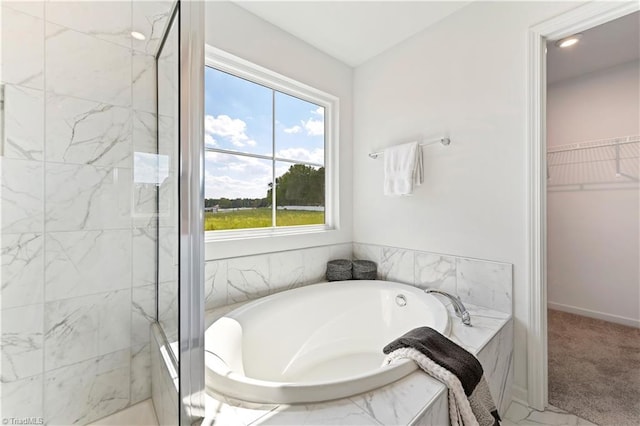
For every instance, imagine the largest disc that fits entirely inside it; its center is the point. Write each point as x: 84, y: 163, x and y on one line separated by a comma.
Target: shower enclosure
x: 180, y: 261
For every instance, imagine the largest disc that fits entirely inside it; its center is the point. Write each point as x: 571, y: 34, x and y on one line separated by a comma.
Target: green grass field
x: 260, y: 218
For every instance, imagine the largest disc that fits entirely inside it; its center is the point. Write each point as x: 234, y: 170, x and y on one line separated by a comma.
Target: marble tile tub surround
x: 480, y: 282
x: 414, y: 400
x: 239, y: 279
x: 234, y: 280
x: 78, y: 235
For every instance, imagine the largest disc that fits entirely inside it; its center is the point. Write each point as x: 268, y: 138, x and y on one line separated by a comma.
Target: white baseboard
x: 631, y: 322
x: 520, y: 395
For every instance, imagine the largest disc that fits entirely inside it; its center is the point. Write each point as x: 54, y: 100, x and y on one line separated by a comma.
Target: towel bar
x: 443, y: 141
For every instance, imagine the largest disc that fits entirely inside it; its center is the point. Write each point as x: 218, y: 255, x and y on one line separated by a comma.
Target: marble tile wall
x: 164, y: 381
x: 480, y: 282
x: 234, y: 280
x: 78, y: 214
x: 497, y: 361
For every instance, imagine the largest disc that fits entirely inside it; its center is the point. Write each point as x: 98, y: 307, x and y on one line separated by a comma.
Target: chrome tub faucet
x: 458, y: 307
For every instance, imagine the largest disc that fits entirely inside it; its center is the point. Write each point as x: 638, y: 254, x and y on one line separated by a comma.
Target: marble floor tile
x: 519, y: 414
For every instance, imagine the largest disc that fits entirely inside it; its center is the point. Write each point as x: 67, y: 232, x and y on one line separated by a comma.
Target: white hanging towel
x: 402, y: 169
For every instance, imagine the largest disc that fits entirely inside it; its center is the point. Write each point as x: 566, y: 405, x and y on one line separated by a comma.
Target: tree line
x: 301, y: 185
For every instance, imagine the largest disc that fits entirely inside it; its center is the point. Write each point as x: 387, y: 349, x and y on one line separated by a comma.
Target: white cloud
x: 294, y: 129
x: 235, y: 176
x: 302, y: 154
x: 209, y: 140
x: 314, y: 127
x: 232, y: 128
x: 229, y: 187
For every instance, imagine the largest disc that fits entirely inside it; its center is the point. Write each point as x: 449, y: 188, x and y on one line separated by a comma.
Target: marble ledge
x: 414, y: 399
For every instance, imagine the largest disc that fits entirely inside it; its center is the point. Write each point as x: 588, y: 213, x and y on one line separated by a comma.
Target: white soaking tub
x: 316, y: 343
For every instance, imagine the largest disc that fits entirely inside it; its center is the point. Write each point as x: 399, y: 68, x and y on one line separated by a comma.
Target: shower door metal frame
x: 191, y: 212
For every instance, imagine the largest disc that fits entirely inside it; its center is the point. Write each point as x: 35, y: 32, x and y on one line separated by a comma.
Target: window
x: 268, y: 141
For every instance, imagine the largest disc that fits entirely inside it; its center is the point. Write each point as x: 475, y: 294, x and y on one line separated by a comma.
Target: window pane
x: 299, y: 129
x: 237, y: 192
x: 299, y: 194
x: 238, y: 113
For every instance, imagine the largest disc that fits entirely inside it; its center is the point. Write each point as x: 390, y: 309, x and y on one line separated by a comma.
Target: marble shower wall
x: 480, y: 282
x: 78, y: 206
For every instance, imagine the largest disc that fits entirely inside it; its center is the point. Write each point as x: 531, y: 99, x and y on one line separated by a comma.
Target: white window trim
x: 224, y: 61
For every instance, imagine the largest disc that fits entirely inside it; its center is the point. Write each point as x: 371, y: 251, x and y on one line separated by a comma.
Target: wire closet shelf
x: 602, y: 163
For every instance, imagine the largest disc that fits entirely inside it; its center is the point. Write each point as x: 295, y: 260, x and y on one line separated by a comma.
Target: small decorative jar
x: 364, y: 270
x: 339, y: 270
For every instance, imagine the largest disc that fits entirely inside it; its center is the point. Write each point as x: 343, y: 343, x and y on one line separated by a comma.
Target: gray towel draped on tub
x: 470, y: 402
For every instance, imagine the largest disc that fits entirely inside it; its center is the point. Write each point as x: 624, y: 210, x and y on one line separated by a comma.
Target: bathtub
x: 316, y: 343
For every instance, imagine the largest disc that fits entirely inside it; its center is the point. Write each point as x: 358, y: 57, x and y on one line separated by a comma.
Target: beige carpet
x: 594, y: 369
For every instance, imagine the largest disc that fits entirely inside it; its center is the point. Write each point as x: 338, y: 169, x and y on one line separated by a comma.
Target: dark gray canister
x: 364, y: 270
x: 339, y: 270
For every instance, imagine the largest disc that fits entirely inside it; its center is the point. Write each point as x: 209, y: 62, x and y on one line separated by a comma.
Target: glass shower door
x: 180, y: 277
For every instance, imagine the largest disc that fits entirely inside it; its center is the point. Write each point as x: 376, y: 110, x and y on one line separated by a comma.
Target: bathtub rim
x: 248, y: 389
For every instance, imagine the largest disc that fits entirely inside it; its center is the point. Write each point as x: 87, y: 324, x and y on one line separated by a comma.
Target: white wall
x: 598, y: 105
x: 593, y: 235
x: 233, y: 29
x: 464, y: 77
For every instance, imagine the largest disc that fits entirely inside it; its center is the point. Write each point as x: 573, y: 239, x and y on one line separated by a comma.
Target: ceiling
x: 613, y: 43
x: 352, y: 31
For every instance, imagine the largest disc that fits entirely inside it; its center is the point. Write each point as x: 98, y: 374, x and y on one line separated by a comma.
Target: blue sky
x: 238, y: 116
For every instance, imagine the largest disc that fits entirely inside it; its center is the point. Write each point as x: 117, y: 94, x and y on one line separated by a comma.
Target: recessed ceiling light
x: 568, y: 41
x: 137, y: 35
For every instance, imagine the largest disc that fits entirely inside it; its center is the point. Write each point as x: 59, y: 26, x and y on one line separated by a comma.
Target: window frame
x: 241, y: 68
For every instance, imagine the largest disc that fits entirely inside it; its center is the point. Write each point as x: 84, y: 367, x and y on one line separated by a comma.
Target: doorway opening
x: 593, y: 222
x: 574, y: 22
